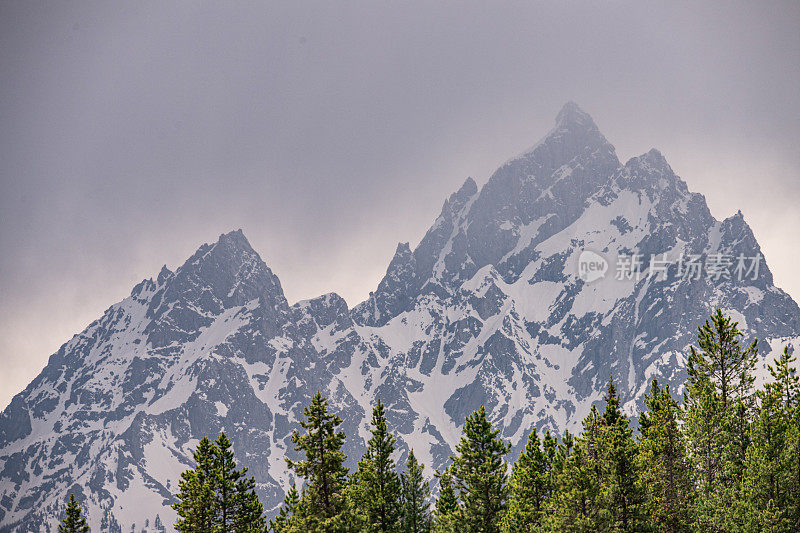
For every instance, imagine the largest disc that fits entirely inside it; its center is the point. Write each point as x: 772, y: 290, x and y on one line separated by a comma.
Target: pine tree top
x: 74, y: 522
x: 722, y: 361
x: 612, y: 413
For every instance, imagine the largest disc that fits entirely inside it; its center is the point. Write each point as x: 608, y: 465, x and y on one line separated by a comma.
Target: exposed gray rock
x: 488, y: 309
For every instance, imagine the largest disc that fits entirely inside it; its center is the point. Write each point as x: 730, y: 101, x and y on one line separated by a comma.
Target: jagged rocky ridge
x: 487, y: 309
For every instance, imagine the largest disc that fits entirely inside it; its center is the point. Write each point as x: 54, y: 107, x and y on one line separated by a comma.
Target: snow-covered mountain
x: 497, y: 305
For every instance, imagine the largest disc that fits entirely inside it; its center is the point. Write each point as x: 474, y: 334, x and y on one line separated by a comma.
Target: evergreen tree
x: 280, y: 524
x: 560, y: 452
x: 377, y: 485
x: 448, y: 511
x: 225, y: 479
x: 739, y: 433
x: 597, y: 485
x: 769, y: 494
x: 705, y: 430
x: 792, y: 454
x: 575, y: 502
x: 215, y: 496
x: 719, y: 402
x: 74, y: 521
x: 764, y: 493
x: 530, y: 486
x: 324, y: 505
x: 663, y: 463
x: 622, y: 494
x: 249, y: 513
x: 722, y: 360
x: 784, y: 375
x: 196, y: 505
x: 549, y: 448
x: 415, y: 493
x: 480, y: 474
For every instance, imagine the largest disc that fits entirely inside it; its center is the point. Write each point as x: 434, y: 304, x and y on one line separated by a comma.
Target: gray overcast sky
x: 131, y: 133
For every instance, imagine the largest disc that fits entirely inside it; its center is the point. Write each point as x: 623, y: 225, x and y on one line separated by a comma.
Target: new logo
x: 591, y: 266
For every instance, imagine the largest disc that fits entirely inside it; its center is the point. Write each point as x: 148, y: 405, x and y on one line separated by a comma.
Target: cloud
x: 133, y: 133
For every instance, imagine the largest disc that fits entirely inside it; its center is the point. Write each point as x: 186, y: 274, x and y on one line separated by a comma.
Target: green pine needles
x: 377, y: 488
x: 415, y: 517
x: 480, y: 474
x: 215, y: 497
x: 74, y: 521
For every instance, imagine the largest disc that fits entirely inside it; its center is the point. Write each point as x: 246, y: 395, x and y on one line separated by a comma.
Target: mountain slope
x: 490, y: 308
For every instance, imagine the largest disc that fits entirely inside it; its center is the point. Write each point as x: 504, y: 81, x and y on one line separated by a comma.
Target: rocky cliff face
x: 491, y: 308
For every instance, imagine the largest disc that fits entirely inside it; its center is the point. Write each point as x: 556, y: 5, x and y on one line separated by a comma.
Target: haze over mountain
x: 491, y: 308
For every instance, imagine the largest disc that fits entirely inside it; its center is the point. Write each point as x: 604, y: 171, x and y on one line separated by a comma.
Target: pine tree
x: 196, y: 505
x: 623, y: 497
x: 377, y: 485
x: 719, y: 402
x: 215, y: 496
x: 764, y: 494
x: 560, y: 452
x: 480, y: 474
x: 530, y: 486
x: 324, y: 504
x: 597, y: 487
x: 769, y: 494
x: 705, y: 430
x: 722, y: 360
x: 280, y: 524
x: 549, y: 447
x: 730, y: 369
x: 784, y: 375
x: 792, y: 454
x: 74, y: 521
x: 575, y: 502
x: 225, y: 478
x: 415, y: 493
x: 447, y: 513
x: 248, y: 511
x: 663, y: 463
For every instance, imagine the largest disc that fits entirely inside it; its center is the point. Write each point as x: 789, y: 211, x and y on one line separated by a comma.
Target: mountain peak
x: 235, y: 239
x: 652, y: 162
x: 493, y: 295
x: 458, y: 199
x: 163, y: 275
x: 575, y: 134
x: 572, y: 114
x: 230, y: 270
x: 656, y: 158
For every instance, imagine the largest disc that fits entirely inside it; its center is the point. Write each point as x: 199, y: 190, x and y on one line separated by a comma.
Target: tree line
x: 723, y: 458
